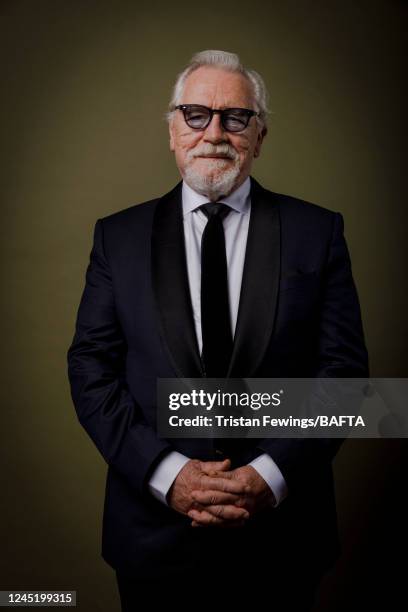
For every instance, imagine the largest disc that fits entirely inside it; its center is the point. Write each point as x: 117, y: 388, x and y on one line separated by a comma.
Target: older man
x: 217, y: 278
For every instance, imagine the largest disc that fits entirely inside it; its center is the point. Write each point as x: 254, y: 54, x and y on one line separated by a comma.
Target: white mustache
x: 209, y: 150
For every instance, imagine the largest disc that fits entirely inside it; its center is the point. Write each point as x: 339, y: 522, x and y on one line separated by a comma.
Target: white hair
x: 224, y: 61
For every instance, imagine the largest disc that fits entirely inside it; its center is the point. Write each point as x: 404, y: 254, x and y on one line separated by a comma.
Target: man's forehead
x: 207, y: 84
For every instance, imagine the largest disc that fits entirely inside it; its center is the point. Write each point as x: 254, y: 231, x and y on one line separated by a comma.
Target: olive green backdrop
x: 84, y: 88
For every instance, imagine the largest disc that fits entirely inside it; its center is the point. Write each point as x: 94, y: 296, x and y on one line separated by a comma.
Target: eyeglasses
x: 232, y: 119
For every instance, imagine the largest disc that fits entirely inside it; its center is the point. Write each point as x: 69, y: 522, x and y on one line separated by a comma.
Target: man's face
x: 211, y: 160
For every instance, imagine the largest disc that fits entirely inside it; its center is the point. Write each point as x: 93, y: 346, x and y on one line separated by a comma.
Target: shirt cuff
x: 267, y: 468
x: 165, y: 474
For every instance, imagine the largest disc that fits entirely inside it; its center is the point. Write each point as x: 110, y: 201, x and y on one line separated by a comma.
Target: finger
x: 223, y: 484
x: 227, y: 512
x: 223, y: 525
x: 205, y: 518
x: 217, y: 497
x: 215, y: 466
x: 228, y: 474
x: 224, y: 511
x: 224, y: 474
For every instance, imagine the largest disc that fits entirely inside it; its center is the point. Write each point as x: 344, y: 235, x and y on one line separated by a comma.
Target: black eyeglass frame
x: 222, y: 112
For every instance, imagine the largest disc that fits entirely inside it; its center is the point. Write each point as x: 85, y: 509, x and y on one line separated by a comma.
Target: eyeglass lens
x: 233, y: 120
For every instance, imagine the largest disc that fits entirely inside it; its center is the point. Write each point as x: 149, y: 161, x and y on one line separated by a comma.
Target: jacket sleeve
x: 342, y: 354
x: 96, y: 371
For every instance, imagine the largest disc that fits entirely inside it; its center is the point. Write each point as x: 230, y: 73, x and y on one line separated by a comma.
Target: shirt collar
x: 238, y: 200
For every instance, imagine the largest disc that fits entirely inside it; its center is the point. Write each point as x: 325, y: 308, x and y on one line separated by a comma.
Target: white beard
x: 213, y: 187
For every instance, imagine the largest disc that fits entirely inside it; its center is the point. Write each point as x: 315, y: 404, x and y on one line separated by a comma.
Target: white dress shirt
x: 236, y: 232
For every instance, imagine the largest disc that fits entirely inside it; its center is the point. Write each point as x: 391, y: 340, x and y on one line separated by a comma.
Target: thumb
x: 213, y: 466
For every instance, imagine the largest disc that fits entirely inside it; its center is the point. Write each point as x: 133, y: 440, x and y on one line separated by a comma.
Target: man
x: 219, y: 277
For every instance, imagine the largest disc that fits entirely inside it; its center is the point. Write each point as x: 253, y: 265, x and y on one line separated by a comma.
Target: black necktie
x: 215, y: 314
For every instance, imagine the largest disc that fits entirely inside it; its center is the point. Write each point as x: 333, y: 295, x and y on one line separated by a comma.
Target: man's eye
x: 235, y: 119
x: 196, y: 118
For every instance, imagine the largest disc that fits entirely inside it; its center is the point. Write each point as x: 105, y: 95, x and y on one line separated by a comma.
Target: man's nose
x: 215, y: 132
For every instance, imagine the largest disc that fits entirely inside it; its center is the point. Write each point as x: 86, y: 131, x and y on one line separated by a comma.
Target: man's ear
x: 261, y: 136
x: 171, y: 133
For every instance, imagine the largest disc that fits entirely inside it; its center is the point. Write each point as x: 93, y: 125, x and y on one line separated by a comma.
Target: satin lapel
x: 171, y: 287
x: 260, y: 284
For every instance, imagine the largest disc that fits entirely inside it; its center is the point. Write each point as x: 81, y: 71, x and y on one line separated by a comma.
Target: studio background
x: 84, y: 89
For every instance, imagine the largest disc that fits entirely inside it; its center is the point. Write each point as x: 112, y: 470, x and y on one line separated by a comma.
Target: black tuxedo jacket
x: 298, y: 316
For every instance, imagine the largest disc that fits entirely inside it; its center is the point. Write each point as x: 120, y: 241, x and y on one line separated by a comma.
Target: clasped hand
x: 212, y: 494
